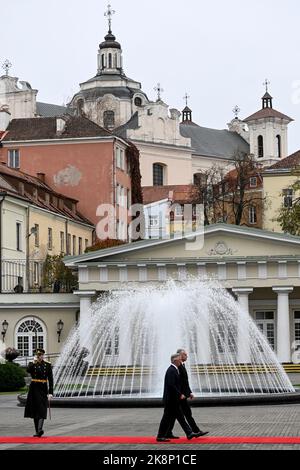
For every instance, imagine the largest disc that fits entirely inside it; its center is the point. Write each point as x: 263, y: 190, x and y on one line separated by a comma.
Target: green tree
x: 54, y: 269
x: 289, y: 213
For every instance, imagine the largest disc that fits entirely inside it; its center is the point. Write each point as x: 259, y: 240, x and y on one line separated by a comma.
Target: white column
x: 85, y: 316
x: 283, y: 323
x: 243, y: 338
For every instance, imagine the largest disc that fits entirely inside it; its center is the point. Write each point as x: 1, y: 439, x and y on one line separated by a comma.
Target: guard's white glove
x: 49, y: 397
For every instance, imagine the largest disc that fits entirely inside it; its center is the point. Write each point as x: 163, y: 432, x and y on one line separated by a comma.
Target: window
x: 30, y: 334
x: 260, y: 144
x: 86, y: 243
x: 109, y: 61
x: 297, y: 328
x: 288, y: 198
x: 266, y: 324
x: 278, y: 142
x: 36, y: 235
x: 18, y: 236
x: 50, y: 239
x: 158, y: 174
x: 36, y: 273
x: 138, y: 101
x: 153, y: 220
x: 108, y: 119
x: 80, y: 246
x: 74, y: 245
x: 253, y: 182
x: 14, y: 159
x: 102, y: 61
x: 118, y: 157
x: 62, y: 242
x: 122, y: 159
x: 252, y: 215
x: 69, y: 244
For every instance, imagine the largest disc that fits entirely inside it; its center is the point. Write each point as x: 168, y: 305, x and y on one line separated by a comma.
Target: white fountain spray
x: 125, y: 349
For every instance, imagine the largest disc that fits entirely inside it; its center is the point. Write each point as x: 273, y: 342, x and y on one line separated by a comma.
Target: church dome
x: 110, y: 42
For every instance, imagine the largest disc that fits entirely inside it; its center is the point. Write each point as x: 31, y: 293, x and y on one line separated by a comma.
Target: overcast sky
x: 218, y: 51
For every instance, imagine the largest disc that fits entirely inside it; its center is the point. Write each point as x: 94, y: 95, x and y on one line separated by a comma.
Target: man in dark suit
x: 172, y: 399
x: 188, y: 394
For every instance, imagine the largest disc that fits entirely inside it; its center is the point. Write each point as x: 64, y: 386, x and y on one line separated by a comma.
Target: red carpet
x: 147, y: 440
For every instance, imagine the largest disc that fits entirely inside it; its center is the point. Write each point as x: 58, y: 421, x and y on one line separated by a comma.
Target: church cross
x: 6, y: 66
x: 186, y: 97
x: 159, y: 90
x: 109, y: 13
x: 236, y: 110
x: 266, y: 84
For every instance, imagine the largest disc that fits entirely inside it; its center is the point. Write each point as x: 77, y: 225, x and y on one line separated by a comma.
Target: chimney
x: 41, y: 177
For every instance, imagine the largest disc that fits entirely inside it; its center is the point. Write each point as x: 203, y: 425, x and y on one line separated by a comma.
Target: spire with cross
x: 267, y: 100
x: 187, y: 112
x: 109, y: 13
x: 6, y: 66
x: 159, y: 90
x: 266, y: 84
x: 186, y: 97
x: 236, y: 111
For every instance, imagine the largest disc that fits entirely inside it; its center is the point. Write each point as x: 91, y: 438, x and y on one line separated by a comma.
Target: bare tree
x: 226, y: 193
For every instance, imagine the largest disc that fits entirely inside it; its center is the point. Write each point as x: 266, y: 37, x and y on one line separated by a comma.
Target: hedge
x: 12, y: 377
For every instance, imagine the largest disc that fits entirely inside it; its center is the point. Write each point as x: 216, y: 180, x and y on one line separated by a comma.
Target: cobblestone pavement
x: 281, y: 420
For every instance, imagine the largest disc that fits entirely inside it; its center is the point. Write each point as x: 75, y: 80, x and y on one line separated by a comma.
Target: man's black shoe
x: 40, y: 433
x: 201, y: 433
x: 190, y: 436
x: 172, y: 437
x: 162, y: 439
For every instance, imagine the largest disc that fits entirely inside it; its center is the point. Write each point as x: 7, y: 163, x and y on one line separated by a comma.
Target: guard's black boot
x: 40, y: 427
x: 36, y: 425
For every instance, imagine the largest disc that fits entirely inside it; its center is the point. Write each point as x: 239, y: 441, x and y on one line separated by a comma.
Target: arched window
x: 138, y: 101
x: 158, y: 174
x: 109, y: 61
x: 278, y: 142
x: 260, y: 144
x: 103, y: 61
x: 116, y: 61
x: 108, y: 119
x: 30, y: 334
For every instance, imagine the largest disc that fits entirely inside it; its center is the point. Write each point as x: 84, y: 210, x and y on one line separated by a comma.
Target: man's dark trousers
x: 172, y: 408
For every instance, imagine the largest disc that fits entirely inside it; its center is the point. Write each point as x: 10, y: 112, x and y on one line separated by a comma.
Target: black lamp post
x: 60, y: 326
x: 4, y: 329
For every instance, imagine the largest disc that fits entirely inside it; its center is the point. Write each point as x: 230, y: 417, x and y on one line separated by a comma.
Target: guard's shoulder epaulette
x: 47, y: 362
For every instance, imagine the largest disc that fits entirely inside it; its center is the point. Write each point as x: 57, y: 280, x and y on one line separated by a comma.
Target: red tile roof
x: 267, y: 113
x: 45, y: 128
x: 290, y: 162
x: 177, y: 193
x: 9, y: 177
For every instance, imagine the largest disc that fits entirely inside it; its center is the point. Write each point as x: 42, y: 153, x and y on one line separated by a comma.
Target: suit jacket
x: 184, y: 381
x: 172, y: 391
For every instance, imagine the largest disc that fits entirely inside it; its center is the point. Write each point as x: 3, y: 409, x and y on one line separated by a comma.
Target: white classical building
x: 262, y: 269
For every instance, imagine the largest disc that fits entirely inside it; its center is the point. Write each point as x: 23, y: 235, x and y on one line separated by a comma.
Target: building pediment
x: 218, y: 242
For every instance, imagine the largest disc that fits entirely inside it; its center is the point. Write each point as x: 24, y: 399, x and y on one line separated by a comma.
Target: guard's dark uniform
x: 37, y: 400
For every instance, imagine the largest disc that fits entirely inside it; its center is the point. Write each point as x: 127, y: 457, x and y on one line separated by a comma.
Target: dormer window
x: 108, y: 119
x: 138, y: 101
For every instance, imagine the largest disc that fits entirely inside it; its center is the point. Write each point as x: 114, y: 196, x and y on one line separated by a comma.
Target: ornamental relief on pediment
x: 221, y: 249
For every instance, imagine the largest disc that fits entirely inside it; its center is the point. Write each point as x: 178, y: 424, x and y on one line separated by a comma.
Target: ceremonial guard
x: 39, y: 394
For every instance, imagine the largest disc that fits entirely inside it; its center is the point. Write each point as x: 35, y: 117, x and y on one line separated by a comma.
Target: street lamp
x: 4, y: 329
x: 60, y: 326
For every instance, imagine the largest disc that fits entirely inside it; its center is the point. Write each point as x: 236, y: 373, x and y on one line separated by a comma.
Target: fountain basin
x: 150, y: 402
